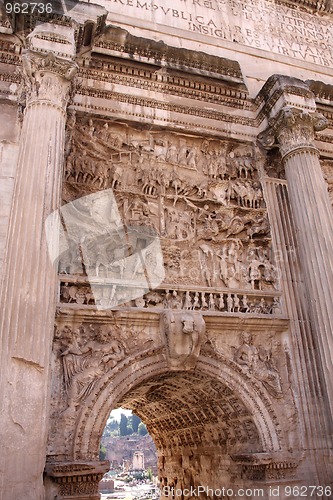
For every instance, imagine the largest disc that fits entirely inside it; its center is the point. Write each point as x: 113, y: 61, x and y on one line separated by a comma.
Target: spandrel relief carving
x: 88, y: 351
x: 258, y: 361
x: 86, y: 359
x: 201, y: 196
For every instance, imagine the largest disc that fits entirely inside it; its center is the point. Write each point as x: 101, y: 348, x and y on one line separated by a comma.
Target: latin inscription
x: 260, y: 24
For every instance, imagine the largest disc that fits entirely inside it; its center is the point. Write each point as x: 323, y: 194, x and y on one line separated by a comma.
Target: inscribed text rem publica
x: 260, y: 24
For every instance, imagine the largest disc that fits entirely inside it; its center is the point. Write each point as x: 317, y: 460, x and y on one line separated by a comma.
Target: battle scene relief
x: 201, y: 196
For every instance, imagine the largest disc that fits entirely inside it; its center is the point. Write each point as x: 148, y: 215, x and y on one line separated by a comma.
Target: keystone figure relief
x: 184, y: 334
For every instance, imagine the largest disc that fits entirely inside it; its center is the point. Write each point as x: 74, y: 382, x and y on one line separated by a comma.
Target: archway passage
x: 213, y: 422
x: 197, y: 424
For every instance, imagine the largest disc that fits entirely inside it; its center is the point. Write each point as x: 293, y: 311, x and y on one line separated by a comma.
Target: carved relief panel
x: 204, y: 199
x: 327, y: 168
x: 86, y: 351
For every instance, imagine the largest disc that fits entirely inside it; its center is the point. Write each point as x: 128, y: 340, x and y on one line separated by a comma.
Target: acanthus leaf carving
x: 293, y: 129
x: 47, y: 77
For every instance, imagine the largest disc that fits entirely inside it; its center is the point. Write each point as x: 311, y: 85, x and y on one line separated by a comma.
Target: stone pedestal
x: 30, y: 282
x: 77, y: 480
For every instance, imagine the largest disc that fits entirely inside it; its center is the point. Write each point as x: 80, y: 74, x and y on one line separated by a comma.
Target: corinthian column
x: 294, y: 130
x: 28, y: 296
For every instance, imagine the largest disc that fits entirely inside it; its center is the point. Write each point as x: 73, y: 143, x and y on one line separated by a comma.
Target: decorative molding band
x: 160, y: 54
x: 166, y: 82
x: 154, y: 103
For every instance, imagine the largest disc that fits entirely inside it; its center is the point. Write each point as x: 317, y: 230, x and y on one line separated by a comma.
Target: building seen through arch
x: 166, y: 243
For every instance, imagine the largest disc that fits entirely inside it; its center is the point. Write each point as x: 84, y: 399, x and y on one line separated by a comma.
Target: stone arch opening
x: 204, y: 421
x: 197, y: 424
x: 127, y: 444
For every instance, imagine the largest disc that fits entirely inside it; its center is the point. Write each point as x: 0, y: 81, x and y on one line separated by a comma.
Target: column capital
x: 78, y: 479
x: 47, y: 77
x: 293, y: 129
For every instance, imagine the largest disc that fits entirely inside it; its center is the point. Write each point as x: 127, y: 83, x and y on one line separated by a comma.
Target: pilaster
x: 292, y: 128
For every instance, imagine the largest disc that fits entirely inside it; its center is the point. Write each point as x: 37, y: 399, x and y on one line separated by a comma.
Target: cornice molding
x: 119, y: 42
x: 166, y: 81
x: 163, y: 105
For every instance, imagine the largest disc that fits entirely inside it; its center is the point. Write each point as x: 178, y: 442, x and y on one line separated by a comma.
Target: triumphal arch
x: 166, y: 242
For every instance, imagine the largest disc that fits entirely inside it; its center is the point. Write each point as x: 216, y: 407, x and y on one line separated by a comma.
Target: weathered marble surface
x: 218, y: 360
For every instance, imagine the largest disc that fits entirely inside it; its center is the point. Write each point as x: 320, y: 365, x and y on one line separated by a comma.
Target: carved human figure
x: 230, y: 303
x: 191, y: 159
x: 204, y: 304
x: 236, y: 303
x: 245, y: 304
x: 259, y: 363
x: 64, y: 293
x: 222, y: 254
x: 167, y: 299
x: 101, y: 174
x: 172, y: 154
x: 234, y: 255
x: 103, y: 133
x: 211, y: 302
x: 187, y: 301
x: 117, y: 176
x: 252, y: 306
x: 258, y: 196
x: 262, y: 306
x: 175, y: 301
x: 84, y: 364
x: 276, y: 307
x: 88, y: 169
x: 182, y: 155
x: 90, y: 129
x: 254, y: 272
x: 79, y: 166
x: 160, y: 149
x: 164, y: 181
x: 71, y: 164
x: 221, y: 302
x: 195, y: 304
x: 212, y: 166
x: 270, y: 273
x: 207, y: 259
x: 245, y: 167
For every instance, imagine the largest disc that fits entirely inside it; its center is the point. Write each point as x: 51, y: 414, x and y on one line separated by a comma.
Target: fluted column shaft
x: 313, y: 216
x: 28, y: 295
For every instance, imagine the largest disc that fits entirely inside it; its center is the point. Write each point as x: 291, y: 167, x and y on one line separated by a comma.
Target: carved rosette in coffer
x: 203, y: 198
